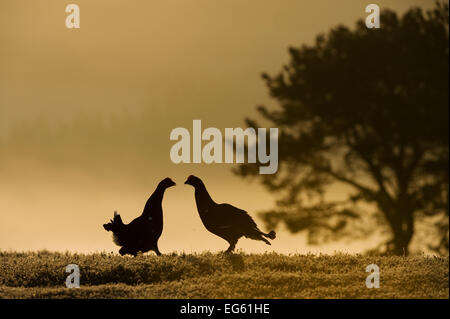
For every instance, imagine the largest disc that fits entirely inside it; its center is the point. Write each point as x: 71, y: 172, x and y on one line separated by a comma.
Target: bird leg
x: 232, y: 246
x: 123, y: 251
x: 158, y: 253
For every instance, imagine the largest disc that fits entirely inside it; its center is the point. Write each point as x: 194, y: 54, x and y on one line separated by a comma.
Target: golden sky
x: 173, y: 61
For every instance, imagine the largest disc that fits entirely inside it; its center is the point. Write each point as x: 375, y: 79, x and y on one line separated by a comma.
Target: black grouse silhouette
x: 225, y: 220
x: 142, y: 234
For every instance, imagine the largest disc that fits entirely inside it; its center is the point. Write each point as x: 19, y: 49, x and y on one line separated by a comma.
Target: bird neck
x: 202, y: 196
x: 155, y: 199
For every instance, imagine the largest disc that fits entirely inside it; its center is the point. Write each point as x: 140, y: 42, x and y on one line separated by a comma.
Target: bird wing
x: 227, y: 215
x: 138, y: 224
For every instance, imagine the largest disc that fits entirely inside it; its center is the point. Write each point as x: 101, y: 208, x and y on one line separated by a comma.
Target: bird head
x: 193, y: 180
x: 167, y: 182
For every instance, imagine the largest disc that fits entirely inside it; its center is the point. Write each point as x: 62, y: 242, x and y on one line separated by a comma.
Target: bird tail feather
x: 115, y: 226
x: 265, y: 240
x: 259, y: 235
x: 271, y: 235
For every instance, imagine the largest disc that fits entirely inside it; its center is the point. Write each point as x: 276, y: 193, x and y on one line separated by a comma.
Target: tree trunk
x: 400, y: 215
x: 402, y: 226
x: 401, y: 243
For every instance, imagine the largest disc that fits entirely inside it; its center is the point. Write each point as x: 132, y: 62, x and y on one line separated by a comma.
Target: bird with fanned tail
x: 141, y: 234
x: 225, y: 220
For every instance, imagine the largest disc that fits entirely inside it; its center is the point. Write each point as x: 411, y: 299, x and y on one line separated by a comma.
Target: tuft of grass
x: 42, y: 275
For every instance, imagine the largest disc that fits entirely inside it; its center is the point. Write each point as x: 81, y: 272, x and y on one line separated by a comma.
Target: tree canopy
x: 368, y: 109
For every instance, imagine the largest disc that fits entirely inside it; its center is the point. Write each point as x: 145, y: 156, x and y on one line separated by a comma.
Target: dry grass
x: 42, y: 275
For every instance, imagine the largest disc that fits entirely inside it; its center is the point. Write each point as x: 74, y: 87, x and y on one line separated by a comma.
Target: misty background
x: 85, y: 114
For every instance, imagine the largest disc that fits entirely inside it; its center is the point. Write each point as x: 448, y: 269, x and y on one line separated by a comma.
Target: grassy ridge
x: 42, y: 275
